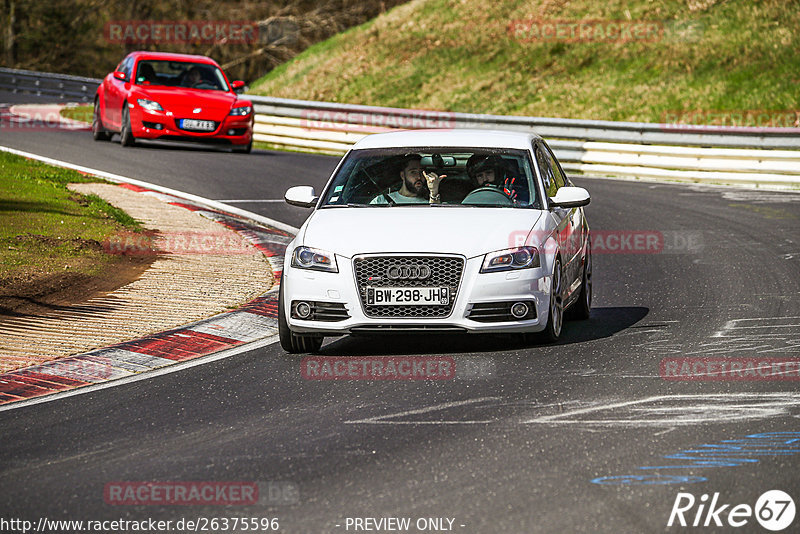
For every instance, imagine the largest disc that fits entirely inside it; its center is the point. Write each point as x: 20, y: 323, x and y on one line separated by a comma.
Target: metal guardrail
x: 62, y: 86
x: 646, y: 150
x: 643, y: 150
x: 311, y: 113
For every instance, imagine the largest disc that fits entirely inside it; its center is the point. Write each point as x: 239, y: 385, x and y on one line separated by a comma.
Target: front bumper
x: 234, y: 130
x: 528, y: 285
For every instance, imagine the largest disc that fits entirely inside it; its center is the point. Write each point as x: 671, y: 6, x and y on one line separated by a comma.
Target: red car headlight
x: 241, y: 111
x: 149, y: 105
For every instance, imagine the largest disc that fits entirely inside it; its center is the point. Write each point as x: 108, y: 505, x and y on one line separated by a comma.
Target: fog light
x: 519, y: 310
x: 231, y: 132
x: 303, y: 310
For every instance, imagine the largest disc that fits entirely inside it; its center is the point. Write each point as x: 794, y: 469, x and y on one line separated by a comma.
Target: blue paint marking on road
x: 651, y: 480
x: 727, y: 453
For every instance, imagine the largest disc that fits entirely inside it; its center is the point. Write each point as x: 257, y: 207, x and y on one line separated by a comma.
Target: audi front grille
x: 408, y: 271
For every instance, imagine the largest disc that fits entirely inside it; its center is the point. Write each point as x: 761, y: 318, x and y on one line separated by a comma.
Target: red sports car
x: 154, y: 95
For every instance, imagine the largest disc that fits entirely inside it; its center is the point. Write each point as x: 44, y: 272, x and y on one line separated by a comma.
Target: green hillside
x: 476, y: 56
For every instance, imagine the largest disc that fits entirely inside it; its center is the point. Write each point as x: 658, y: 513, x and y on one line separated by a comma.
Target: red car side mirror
x: 237, y: 85
x: 120, y: 75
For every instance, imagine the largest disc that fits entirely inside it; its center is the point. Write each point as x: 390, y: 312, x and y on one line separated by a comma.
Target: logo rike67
x: 774, y: 510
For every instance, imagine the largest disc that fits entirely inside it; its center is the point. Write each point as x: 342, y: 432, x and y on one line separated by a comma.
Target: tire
x: 555, y: 317
x: 291, y: 342
x: 99, y: 131
x: 581, y: 309
x: 243, y: 149
x: 126, y: 135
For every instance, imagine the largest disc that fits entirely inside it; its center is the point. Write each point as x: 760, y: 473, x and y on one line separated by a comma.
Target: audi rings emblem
x: 408, y: 272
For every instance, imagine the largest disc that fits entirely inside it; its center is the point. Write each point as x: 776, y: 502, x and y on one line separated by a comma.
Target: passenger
x: 418, y: 187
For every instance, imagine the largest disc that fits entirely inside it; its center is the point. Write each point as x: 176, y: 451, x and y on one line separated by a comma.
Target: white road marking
x: 767, y: 323
x: 381, y: 419
x: 245, y: 201
x: 669, y: 411
x: 707, y: 409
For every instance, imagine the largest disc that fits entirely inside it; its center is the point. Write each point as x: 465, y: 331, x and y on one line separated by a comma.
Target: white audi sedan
x: 470, y: 231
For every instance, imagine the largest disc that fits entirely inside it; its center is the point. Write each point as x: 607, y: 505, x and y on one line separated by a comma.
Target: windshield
x: 180, y: 74
x: 477, y: 177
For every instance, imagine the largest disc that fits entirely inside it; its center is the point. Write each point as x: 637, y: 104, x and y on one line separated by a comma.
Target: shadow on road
x: 603, y: 323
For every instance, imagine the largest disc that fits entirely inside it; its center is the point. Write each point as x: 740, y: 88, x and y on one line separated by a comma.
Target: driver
x: 489, y: 171
x: 418, y: 186
x: 193, y: 77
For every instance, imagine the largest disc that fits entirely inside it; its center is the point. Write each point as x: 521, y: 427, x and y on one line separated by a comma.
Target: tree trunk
x: 8, y: 37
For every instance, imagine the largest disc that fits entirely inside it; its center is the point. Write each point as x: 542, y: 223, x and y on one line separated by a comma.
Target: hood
x: 182, y: 101
x: 417, y: 229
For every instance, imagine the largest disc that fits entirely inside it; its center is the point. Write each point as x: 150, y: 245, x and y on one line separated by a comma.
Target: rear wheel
x: 98, y: 130
x: 291, y: 342
x: 555, y: 318
x: 126, y: 135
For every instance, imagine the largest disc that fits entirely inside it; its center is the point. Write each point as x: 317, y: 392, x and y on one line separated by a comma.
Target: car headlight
x: 511, y: 259
x: 314, y: 259
x: 241, y: 111
x: 149, y: 105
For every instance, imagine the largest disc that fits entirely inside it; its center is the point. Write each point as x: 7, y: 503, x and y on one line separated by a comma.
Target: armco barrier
x: 61, y: 86
x: 767, y: 156
x: 764, y: 156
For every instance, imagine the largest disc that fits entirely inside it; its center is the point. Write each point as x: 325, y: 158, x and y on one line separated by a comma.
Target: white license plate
x: 194, y: 124
x: 408, y: 296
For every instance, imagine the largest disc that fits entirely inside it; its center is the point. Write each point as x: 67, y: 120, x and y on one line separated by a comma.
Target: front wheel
x: 291, y: 342
x: 243, y: 149
x: 555, y: 318
x: 126, y: 135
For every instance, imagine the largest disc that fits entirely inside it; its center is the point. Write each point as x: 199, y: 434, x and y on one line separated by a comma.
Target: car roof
x: 449, y: 138
x: 169, y: 56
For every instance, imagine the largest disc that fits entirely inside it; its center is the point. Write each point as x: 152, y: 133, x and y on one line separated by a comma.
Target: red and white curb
x: 253, y: 322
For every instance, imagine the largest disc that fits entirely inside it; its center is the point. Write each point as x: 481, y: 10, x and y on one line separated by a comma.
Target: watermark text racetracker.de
x: 29, y: 118
x: 573, y: 31
x: 598, y: 31
x: 378, y: 368
x: 376, y: 119
x: 624, y: 241
x: 152, y: 243
x: 181, y: 32
x: 200, y: 493
x: 185, y: 524
x: 730, y: 369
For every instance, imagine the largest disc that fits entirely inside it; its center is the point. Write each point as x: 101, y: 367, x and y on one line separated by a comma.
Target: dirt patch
x: 42, y: 292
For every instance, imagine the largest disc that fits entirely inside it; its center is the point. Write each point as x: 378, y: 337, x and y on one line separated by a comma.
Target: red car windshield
x: 180, y: 74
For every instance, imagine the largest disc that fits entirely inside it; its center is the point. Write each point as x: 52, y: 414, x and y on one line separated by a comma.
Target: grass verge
x: 51, y: 235
x: 472, y: 56
x: 81, y: 113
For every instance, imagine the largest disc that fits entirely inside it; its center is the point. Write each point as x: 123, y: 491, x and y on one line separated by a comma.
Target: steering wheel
x: 488, y: 195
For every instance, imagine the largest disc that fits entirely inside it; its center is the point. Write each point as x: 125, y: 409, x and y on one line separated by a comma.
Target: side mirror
x: 302, y: 196
x: 118, y: 74
x: 570, y: 197
x: 238, y: 86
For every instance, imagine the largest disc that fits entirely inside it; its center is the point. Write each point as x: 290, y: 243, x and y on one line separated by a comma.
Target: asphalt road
x: 581, y: 436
